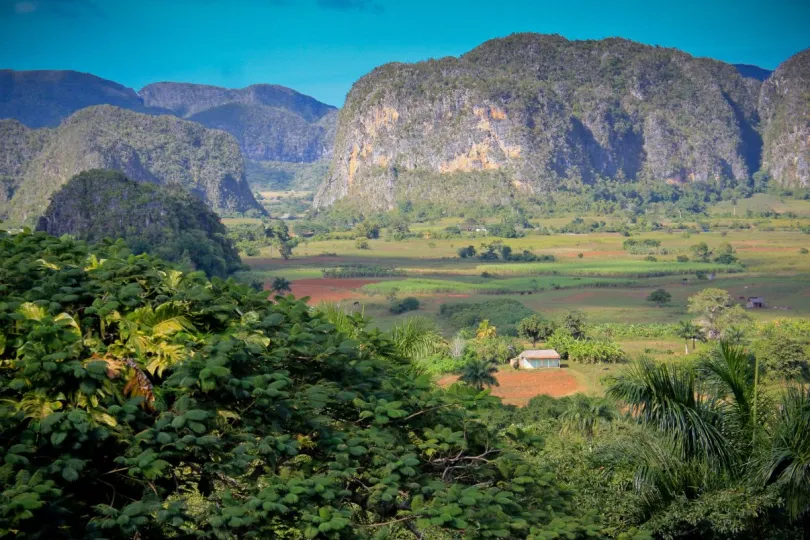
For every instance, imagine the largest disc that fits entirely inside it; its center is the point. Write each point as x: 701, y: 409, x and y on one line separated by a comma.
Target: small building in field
x: 755, y: 302
x: 539, y: 358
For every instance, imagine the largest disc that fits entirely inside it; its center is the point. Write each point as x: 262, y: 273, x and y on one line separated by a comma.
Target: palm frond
x: 666, y: 397
x: 786, y: 462
x: 416, y: 338
x: 344, y: 322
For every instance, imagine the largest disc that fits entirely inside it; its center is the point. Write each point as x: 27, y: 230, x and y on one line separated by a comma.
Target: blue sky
x: 320, y: 47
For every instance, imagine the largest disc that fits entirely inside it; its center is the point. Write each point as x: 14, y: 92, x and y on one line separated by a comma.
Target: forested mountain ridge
x: 530, y: 113
x: 753, y: 72
x: 45, y: 98
x: 163, y: 220
x: 271, y: 122
x: 156, y: 149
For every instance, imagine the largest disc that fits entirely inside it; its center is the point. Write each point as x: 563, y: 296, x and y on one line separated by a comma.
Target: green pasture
x: 762, y: 202
x: 240, y: 221
x: 606, y: 283
x: 612, y: 268
x: 465, y: 284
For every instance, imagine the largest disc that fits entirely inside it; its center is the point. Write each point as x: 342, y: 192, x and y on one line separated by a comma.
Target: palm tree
x: 480, y: 373
x: 281, y: 285
x: 486, y: 330
x: 667, y: 398
x: 347, y: 323
x: 734, y: 335
x: 733, y: 378
x: 416, y: 337
x: 585, y: 414
x: 687, y: 330
x: 786, y: 462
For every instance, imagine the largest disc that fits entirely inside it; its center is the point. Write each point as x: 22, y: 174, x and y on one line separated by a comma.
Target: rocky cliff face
x: 44, y: 98
x: 155, y: 149
x: 784, y: 104
x: 530, y: 112
x: 271, y: 123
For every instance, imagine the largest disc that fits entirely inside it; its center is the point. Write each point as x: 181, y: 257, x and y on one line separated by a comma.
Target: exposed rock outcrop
x: 785, y: 108
x: 530, y: 112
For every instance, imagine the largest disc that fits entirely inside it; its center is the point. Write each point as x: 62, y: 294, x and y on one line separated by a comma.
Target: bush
x: 406, y: 304
x: 726, y: 258
x: 560, y: 341
x: 660, y: 297
x: 650, y: 258
x: 504, y: 314
x: 682, y: 258
x: 361, y: 243
x: 441, y: 364
x: 804, y: 251
x: 466, y: 252
x: 536, y: 328
x: 499, y: 349
x: 594, y: 352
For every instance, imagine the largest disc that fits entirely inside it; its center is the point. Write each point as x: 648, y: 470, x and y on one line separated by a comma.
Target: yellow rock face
x: 476, y: 158
x: 381, y: 117
x: 353, y: 163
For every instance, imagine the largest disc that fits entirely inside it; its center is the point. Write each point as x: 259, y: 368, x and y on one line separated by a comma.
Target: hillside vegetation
x: 166, y: 221
x: 155, y: 149
x: 785, y: 109
x: 532, y: 113
x: 45, y: 98
x: 271, y: 123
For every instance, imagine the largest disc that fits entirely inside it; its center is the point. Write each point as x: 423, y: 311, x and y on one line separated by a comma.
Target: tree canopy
x: 138, y: 401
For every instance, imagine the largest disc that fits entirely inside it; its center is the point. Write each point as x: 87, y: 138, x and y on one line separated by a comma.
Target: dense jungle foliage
x: 137, y: 401
x: 166, y: 221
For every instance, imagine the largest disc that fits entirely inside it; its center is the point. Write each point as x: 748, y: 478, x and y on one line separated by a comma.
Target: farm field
x: 606, y: 283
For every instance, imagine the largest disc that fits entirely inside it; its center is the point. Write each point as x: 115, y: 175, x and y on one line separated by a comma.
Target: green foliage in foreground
x: 727, y: 460
x: 140, y: 402
x: 625, y: 268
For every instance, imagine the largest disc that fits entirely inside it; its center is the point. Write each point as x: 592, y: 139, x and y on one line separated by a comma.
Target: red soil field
x: 518, y: 387
x: 328, y: 290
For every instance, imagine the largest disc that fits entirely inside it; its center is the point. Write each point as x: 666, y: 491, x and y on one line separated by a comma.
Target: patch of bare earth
x: 328, y: 290
x: 518, y: 387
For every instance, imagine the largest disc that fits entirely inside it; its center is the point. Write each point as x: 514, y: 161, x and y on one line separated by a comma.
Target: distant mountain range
x: 36, y: 163
x: 270, y: 122
x: 529, y: 113
x: 522, y: 114
x: 58, y: 123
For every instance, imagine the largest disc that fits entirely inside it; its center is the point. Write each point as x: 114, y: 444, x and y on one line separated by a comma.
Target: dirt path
x: 518, y: 387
